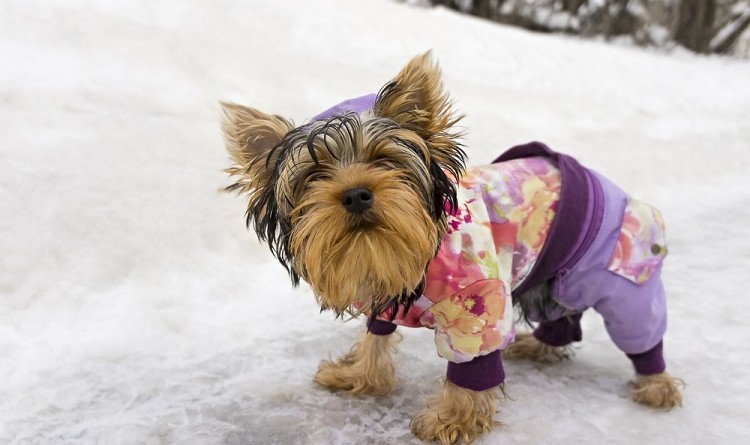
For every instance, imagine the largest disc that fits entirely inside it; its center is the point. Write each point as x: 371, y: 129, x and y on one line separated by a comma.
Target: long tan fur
x: 657, y: 391
x: 249, y: 135
x: 362, y: 265
x: 527, y: 347
x: 366, y: 369
x: 417, y: 100
x: 456, y: 415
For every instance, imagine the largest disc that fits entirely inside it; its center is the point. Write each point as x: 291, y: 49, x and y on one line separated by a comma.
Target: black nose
x: 357, y: 200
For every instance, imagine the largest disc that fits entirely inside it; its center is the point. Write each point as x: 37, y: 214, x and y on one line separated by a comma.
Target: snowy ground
x: 136, y: 309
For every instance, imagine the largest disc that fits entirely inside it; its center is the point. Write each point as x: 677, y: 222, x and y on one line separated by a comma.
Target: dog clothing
x: 535, y: 216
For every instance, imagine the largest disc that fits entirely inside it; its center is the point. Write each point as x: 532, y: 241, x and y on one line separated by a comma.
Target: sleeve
x: 471, y: 327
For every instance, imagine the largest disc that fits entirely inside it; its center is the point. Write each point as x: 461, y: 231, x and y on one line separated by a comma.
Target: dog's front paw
x: 366, y: 369
x: 657, y: 391
x: 456, y: 415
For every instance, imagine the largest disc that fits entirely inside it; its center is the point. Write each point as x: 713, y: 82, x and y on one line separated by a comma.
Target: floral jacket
x: 492, y: 243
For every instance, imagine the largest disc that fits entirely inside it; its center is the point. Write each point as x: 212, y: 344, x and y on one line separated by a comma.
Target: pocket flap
x: 641, y: 245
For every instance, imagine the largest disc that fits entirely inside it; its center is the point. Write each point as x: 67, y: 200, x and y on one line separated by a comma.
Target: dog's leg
x: 366, y: 369
x: 549, y: 342
x: 456, y: 414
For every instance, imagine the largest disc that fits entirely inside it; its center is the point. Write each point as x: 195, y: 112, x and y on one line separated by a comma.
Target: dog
x: 371, y: 204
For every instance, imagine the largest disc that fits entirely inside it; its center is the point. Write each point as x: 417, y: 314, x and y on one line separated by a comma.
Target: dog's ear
x: 249, y: 135
x: 417, y: 101
x: 416, y: 98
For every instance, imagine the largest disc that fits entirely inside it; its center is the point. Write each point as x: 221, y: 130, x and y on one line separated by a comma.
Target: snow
x: 136, y: 308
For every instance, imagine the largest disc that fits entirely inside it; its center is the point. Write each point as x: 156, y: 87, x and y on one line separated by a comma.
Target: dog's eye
x: 318, y: 176
x: 385, y: 163
x: 309, y: 181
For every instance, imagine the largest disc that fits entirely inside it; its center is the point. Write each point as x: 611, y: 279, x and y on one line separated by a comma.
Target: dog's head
x: 353, y: 203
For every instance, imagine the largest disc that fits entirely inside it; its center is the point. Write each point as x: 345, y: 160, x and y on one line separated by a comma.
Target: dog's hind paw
x: 657, y: 391
x: 527, y: 347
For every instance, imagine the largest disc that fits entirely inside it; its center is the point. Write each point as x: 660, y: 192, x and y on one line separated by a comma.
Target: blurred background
x: 703, y: 26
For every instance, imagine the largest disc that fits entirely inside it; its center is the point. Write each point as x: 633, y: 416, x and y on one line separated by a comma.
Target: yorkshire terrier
x: 371, y: 204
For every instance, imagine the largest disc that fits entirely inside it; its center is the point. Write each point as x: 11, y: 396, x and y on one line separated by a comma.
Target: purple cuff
x: 380, y: 327
x: 650, y: 362
x: 482, y: 373
x: 560, y: 332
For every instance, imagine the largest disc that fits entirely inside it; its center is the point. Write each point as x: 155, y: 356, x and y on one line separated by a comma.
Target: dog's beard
x: 357, y: 263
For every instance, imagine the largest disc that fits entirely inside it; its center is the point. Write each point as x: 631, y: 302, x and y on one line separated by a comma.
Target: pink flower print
x: 449, y: 272
x: 451, y: 212
x: 623, y: 252
x: 641, y: 244
x: 475, y: 304
x: 467, y: 323
x: 504, y: 234
x: 462, y: 215
x: 453, y: 225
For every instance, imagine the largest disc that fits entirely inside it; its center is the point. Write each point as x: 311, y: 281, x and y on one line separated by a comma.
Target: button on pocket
x: 641, y: 245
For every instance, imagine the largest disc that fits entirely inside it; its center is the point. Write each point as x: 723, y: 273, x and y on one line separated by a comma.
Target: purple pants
x: 635, y: 314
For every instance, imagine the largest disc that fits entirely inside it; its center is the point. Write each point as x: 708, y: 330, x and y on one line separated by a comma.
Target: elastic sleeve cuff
x: 380, y: 327
x: 650, y: 362
x: 482, y: 373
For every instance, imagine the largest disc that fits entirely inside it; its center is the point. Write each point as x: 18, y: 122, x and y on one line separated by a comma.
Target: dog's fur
x: 405, y: 151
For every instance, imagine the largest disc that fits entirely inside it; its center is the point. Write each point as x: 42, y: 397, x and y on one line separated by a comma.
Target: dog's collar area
x: 399, y: 303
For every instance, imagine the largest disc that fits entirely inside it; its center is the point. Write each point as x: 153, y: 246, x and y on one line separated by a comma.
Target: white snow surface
x: 137, y: 309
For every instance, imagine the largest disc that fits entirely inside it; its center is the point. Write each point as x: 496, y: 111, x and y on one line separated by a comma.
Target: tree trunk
x: 623, y: 22
x: 695, y: 21
x: 483, y: 8
x: 572, y: 6
x: 726, y: 43
x: 447, y: 3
